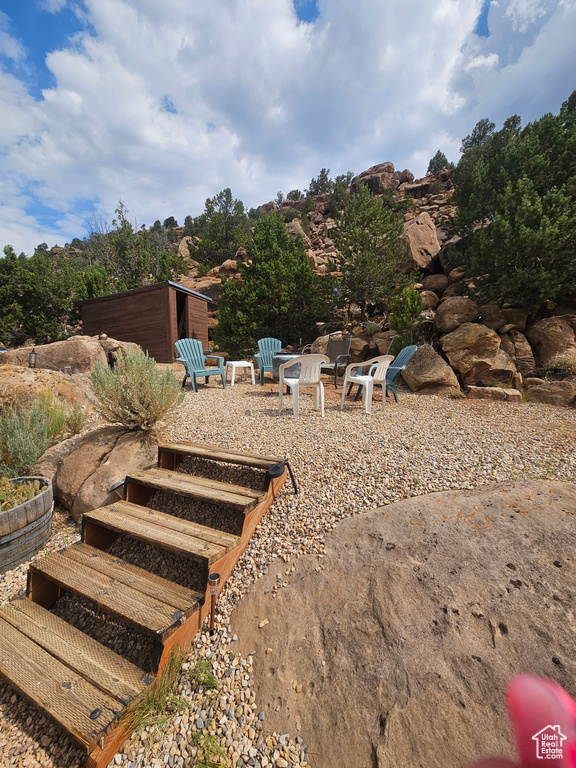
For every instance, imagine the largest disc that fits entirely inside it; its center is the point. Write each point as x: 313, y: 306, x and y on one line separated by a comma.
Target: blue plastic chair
x: 192, y: 357
x: 394, y: 370
x: 267, y: 348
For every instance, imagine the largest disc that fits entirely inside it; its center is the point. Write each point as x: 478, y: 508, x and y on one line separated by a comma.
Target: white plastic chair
x: 376, y: 375
x: 310, y: 366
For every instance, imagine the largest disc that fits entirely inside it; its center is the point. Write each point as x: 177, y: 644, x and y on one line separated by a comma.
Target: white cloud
x: 524, y: 13
x: 10, y: 47
x: 163, y: 105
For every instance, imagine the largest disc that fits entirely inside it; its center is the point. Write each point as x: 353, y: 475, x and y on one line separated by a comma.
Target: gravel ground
x: 345, y: 464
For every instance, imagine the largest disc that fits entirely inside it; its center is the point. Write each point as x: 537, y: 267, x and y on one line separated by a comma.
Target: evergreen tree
x: 369, y: 237
x: 223, y: 228
x: 517, y: 211
x: 438, y: 163
x: 279, y: 295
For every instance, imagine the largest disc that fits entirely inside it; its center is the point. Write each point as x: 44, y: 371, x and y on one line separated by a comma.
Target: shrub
x: 134, y: 393
x: 75, y: 420
x: 23, y: 439
x: 562, y: 362
x: 290, y: 215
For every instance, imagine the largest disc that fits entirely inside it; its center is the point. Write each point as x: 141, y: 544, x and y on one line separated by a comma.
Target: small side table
x: 233, y: 364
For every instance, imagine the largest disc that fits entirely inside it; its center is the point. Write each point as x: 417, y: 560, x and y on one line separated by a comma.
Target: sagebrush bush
x: 564, y: 362
x: 134, y: 393
x: 75, y: 419
x: 23, y: 439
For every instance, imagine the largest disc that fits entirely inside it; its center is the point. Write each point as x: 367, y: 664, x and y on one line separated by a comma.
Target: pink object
x: 543, y: 719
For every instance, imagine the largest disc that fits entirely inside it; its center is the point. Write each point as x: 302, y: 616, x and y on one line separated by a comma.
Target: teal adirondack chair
x: 394, y: 370
x: 192, y: 356
x: 267, y: 348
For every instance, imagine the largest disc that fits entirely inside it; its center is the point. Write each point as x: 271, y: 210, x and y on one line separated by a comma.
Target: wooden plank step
x: 160, y: 529
x: 192, y: 486
x: 79, y: 707
x: 216, y: 453
x: 97, y: 664
x: 153, y: 604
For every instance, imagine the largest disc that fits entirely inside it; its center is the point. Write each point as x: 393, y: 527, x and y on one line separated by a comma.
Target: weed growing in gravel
x: 157, y: 703
x: 210, y: 753
x: 202, y: 674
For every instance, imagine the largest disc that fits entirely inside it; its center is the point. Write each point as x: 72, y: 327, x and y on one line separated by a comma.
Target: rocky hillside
x: 485, y: 348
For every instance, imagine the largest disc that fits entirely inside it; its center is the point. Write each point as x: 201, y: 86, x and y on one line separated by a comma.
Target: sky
x: 162, y: 105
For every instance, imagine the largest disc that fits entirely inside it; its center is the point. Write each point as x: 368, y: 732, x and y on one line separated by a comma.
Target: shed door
x: 181, y: 314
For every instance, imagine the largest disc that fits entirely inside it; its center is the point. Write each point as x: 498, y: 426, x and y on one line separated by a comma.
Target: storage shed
x: 154, y: 316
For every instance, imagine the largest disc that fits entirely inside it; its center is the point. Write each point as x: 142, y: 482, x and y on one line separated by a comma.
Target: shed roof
x: 146, y: 288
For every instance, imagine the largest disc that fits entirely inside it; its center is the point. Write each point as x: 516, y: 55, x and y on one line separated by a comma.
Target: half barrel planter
x: 26, y: 528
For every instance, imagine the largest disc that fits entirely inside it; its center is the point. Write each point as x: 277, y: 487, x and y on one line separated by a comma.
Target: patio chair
x: 267, y: 348
x: 366, y: 382
x: 399, y: 364
x: 192, y: 356
x: 338, y: 352
x: 309, y: 377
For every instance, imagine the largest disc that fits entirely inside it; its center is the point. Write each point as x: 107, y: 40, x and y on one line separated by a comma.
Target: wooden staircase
x: 79, y: 683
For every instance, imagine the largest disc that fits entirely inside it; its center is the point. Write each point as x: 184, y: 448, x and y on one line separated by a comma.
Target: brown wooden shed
x: 154, y: 317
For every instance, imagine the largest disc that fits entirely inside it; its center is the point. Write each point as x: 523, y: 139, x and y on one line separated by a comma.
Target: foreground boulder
x: 84, y: 469
x: 553, y: 336
x: 20, y: 386
x: 428, y: 371
x: 396, y: 647
x: 78, y: 353
x: 471, y: 347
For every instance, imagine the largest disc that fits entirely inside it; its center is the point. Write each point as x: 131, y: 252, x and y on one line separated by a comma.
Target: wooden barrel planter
x: 26, y: 528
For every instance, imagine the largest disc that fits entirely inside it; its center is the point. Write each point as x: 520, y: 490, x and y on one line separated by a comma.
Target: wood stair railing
x: 72, y: 678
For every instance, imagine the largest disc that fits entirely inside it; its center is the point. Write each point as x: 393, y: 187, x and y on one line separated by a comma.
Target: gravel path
x: 346, y: 463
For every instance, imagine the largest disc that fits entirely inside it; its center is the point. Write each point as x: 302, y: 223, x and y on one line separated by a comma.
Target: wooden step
x: 76, y: 681
x: 154, y: 605
x: 141, y: 485
x: 167, y: 452
x: 171, y: 533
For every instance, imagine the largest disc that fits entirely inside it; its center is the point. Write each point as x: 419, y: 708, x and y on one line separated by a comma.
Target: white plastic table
x: 233, y: 364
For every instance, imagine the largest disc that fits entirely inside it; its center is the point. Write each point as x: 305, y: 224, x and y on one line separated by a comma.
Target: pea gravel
x: 345, y: 464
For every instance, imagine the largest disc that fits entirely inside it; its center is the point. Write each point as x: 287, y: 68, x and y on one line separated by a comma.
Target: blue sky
x: 164, y: 105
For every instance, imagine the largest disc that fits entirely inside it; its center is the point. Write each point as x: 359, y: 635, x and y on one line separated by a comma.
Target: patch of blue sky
x: 168, y: 105
x: 306, y: 10
x: 39, y: 32
x: 53, y: 220
x: 482, y: 24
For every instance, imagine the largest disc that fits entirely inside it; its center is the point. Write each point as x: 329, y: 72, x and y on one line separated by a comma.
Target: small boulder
x: 429, y: 299
x: 491, y: 315
x: 427, y: 370
x: 455, y: 311
x: 436, y: 283
x: 552, y: 336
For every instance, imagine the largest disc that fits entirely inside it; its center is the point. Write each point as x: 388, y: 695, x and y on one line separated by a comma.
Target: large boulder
x: 500, y: 371
x: 553, y: 393
x: 377, y: 178
x: 21, y: 386
x: 294, y: 229
x: 455, y: 311
x: 396, y: 647
x: 491, y: 315
x: 427, y: 370
x: 471, y: 345
x: 84, y: 469
x: 78, y: 353
x: 553, y: 336
x: 516, y: 345
x: 420, y: 234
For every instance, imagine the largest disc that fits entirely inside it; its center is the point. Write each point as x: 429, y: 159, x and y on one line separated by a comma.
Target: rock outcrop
x: 78, y: 354
x: 396, y: 647
x: 20, y: 386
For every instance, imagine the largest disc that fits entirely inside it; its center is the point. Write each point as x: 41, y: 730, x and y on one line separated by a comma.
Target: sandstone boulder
x: 494, y: 393
x: 553, y: 393
x: 207, y: 286
x: 183, y: 249
x: 470, y: 345
x: 21, y: 386
x: 491, y: 316
x: 377, y: 178
x: 523, y: 355
x: 455, y: 311
x: 436, y: 283
x: 268, y: 207
x: 79, y: 353
x: 420, y: 234
x: 552, y: 336
x: 407, y: 631
x: 85, y: 468
x: 294, y: 229
x: 427, y: 370
x: 241, y: 255
x: 229, y: 267
x: 382, y: 340
x: 500, y: 371
x: 429, y: 299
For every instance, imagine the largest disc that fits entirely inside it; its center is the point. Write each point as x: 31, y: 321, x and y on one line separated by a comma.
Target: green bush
x: 23, y: 439
x: 134, y: 393
x: 290, y: 215
x: 75, y: 420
